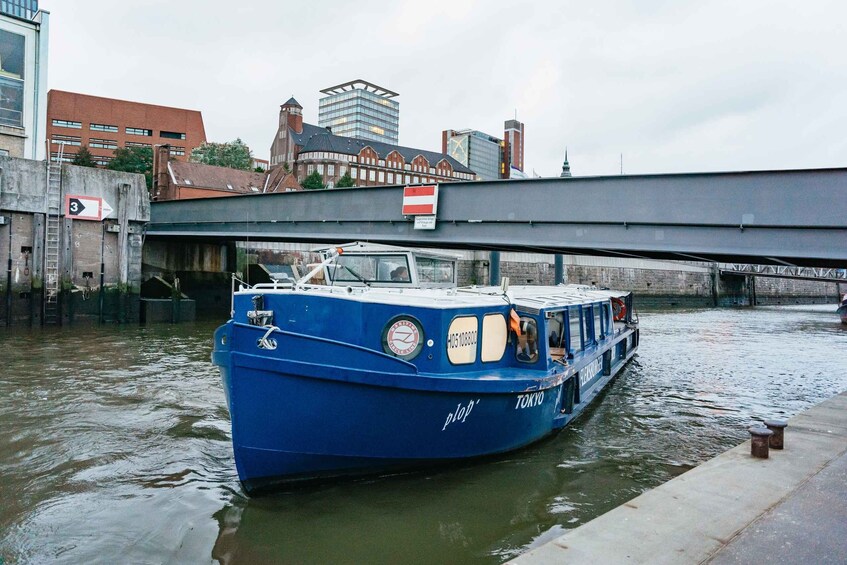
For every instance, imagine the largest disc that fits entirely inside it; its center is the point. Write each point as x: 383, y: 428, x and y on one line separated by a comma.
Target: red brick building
x: 514, y: 138
x: 179, y: 180
x: 105, y: 124
x: 306, y: 148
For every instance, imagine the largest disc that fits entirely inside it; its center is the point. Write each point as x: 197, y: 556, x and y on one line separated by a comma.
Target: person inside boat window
x: 400, y: 274
x: 528, y: 341
x: 556, y: 335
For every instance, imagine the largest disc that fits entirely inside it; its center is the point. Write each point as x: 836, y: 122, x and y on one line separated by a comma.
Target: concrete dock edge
x: 693, y: 517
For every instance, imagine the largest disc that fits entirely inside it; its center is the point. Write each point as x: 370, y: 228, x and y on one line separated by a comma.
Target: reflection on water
x: 115, y: 444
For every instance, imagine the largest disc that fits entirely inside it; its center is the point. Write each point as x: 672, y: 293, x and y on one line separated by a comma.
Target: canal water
x: 114, y: 447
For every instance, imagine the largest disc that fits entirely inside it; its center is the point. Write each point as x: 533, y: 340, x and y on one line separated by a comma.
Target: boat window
x: 462, y: 339
x: 494, y: 334
x: 598, y: 328
x: 587, y: 333
x: 556, y: 335
x: 528, y: 341
x: 608, y: 327
x: 435, y: 270
x: 575, y: 343
x: 370, y: 268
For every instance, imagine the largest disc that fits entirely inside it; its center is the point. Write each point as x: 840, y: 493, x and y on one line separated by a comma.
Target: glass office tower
x: 478, y: 151
x: 24, y: 9
x: 360, y: 109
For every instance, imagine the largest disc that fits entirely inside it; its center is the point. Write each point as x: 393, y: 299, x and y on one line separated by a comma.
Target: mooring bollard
x: 759, y: 441
x: 777, y: 440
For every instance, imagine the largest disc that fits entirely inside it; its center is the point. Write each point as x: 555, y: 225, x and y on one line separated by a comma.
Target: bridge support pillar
x: 715, y: 285
x: 558, y: 269
x: 494, y: 268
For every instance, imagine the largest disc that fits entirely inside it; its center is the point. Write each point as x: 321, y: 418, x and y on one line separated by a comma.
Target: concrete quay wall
x: 116, y: 243
x: 734, y: 508
x: 655, y: 283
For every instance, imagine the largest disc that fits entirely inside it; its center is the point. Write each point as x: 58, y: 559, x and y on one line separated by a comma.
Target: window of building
x: 362, y: 174
x: 136, y: 144
x: 390, y: 178
x: 54, y: 156
x: 176, y: 150
x: 320, y: 169
x: 102, y: 143
x: 67, y: 139
x: 372, y: 175
x: 139, y: 131
x: 416, y: 179
x: 330, y: 169
x: 12, y: 79
x: 103, y: 127
x: 381, y: 176
x: 101, y: 160
x: 310, y: 169
x: 408, y: 179
x: 171, y: 135
x: 353, y: 172
x: 66, y: 124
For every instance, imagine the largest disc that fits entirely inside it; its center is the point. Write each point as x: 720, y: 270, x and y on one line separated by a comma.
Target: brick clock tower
x: 290, y: 117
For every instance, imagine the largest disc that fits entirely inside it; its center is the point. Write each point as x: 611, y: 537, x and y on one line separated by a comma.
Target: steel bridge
x: 793, y: 218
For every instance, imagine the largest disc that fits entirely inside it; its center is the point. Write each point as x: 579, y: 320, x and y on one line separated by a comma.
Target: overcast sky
x: 673, y: 86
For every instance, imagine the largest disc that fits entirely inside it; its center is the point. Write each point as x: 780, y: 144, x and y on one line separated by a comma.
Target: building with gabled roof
x: 305, y: 148
x: 179, y: 180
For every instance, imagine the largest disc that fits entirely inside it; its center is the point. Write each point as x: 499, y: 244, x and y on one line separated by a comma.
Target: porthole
x: 403, y: 337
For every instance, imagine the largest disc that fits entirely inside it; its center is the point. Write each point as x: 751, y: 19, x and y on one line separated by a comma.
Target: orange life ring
x: 619, y: 309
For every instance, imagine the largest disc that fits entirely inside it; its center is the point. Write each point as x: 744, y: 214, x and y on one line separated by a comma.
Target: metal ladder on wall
x: 52, y: 239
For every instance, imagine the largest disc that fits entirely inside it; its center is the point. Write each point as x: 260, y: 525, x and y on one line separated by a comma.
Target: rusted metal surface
x: 777, y: 440
x: 759, y: 441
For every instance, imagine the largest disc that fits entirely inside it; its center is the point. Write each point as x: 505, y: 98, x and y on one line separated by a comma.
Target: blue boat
x: 376, y: 362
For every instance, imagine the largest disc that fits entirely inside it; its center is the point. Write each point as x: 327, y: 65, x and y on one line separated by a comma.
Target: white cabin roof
x: 523, y: 297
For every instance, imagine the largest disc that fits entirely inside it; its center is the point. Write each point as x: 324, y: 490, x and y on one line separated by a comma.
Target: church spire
x: 566, y: 167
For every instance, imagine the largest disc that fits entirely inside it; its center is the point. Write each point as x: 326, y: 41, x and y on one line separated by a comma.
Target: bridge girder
x: 768, y: 217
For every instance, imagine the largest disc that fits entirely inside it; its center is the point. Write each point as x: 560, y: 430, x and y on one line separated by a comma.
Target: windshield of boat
x: 433, y: 270
x: 370, y: 269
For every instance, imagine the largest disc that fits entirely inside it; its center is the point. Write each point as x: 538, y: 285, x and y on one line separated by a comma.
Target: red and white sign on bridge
x: 420, y: 200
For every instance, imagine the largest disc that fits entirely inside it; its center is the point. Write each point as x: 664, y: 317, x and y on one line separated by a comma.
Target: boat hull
x: 291, y: 427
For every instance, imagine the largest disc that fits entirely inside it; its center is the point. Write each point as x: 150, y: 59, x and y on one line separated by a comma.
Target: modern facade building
x: 105, y: 124
x: 362, y: 110
x: 305, y: 148
x: 491, y: 158
x: 514, y: 138
x: 480, y: 152
x: 24, y: 31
